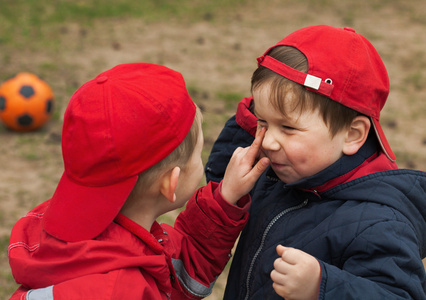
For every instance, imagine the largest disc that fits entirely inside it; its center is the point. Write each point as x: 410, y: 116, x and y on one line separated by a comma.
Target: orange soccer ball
x: 26, y: 102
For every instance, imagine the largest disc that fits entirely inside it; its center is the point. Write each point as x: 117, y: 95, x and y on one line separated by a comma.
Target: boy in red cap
x: 345, y: 221
x: 132, y: 144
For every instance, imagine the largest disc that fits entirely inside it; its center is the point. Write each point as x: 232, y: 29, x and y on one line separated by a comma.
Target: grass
x: 22, y: 20
x: 416, y: 80
x: 7, y: 283
x: 231, y: 99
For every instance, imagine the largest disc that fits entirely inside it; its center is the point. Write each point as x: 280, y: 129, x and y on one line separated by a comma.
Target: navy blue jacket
x: 364, y: 221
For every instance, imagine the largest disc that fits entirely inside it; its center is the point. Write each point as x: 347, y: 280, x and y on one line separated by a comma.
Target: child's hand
x: 240, y: 175
x: 297, y: 275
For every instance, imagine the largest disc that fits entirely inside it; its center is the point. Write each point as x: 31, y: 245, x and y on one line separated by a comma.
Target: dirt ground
x: 216, y: 57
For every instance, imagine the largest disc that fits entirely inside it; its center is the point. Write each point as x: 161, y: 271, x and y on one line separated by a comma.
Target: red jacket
x: 126, y: 261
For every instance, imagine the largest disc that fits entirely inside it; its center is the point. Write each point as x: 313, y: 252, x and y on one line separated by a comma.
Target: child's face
x: 190, y: 176
x: 298, y: 145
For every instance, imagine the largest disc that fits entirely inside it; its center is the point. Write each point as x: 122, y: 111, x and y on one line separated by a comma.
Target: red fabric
x: 126, y: 261
x: 245, y: 118
x: 376, y: 163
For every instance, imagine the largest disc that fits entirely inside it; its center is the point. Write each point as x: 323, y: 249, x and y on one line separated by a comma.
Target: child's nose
x: 269, y: 142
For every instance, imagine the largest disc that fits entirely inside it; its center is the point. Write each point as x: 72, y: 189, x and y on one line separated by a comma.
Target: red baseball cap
x: 116, y: 126
x: 344, y: 66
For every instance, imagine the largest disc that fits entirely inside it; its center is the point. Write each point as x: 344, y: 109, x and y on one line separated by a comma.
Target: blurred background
x: 214, y: 44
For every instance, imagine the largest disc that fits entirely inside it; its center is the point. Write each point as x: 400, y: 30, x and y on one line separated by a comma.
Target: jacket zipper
x: 265, y: 233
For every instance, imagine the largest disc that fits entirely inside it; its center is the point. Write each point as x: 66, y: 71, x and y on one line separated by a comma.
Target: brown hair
x: 336, y: 116
x: 179, y: 157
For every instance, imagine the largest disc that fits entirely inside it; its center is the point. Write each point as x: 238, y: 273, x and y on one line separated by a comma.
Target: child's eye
x: 288, y: 127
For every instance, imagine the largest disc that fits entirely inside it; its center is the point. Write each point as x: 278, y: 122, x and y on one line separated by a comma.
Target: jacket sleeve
x: 378, y: 267
x: 203, y: 237
x: 239, y: 131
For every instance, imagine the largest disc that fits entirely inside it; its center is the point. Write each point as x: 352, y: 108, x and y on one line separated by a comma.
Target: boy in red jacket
x: 131, y: 145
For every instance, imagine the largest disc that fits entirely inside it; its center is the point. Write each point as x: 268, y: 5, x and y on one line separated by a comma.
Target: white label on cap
x: 313, y: 82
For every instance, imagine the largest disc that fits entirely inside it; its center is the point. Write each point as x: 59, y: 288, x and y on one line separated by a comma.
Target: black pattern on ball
x: 2, y: 103
x: 49, y: 106
x: 27, y: 91
x: 25, y: 120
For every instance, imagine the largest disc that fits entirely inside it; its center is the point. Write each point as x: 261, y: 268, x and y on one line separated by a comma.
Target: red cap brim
x: 382, y: 139
x: 78, y: 212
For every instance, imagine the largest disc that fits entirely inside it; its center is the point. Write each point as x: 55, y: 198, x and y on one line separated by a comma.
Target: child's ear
x: 169, y: 184
x: 356, y: 135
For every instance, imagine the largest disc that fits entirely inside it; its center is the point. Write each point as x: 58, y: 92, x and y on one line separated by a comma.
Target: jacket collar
x: 245, y: 117
x: 141, y: 232
x: 369, y: 159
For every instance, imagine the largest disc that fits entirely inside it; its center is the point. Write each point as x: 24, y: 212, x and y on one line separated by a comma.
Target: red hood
x: 245, y: 118
x: 33, y: 251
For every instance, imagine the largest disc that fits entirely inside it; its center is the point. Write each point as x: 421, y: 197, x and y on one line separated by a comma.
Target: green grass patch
x: 415, y: 79
x: 230, y: 99
x: 7, y: 283
x: 23, y: 21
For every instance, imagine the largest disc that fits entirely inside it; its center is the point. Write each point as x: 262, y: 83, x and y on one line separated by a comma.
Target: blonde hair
x: 179, y: 157
x: 335, y: 115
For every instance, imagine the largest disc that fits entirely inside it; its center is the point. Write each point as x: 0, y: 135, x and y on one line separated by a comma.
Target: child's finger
x: 278, y: 277
x: 280, y: 250
x: 259, y: 168
x: 254, y: 149
x: 292, y: 255
x: 281, y: 267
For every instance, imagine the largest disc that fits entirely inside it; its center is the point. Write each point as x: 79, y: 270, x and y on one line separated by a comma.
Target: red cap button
x: 101, y: 79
